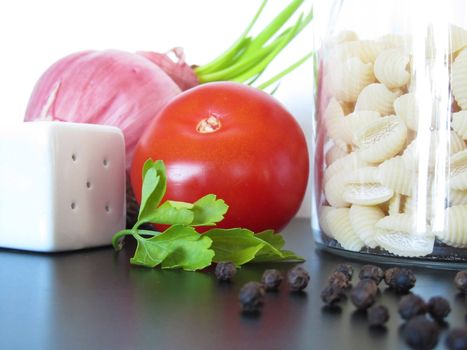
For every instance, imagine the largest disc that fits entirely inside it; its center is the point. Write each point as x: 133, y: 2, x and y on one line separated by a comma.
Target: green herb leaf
x: 208, y: 210
x: 236, y: 245
x: 276, y: 240
x: 153, y: 189
x: 178, y: 247
x: 172, y: 213
x: 241, y: 246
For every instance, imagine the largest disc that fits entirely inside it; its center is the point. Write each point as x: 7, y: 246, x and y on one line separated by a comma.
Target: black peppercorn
x: 346, y: 269
x: 461, y: 281
x: 251, y: 297
x: 272, y: 279
x: 332, y: 294
x: 389, y: 273
x: 225, y: 271
x: 378, y: 315
x: 438, y: 308
x: 339, y: 279
x: 457, y: 339
x: 421, y: 333
x: 362, y: 297
x: 400, y: 280
x: 298, y: 278
x: 411, y: 305
x: 372, y: 272
x: 369, y: 285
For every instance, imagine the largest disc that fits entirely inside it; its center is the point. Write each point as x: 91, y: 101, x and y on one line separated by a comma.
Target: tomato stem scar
x: 208, y: 125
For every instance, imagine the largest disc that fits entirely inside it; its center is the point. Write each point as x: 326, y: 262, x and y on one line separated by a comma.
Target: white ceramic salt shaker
x: 62, y: 185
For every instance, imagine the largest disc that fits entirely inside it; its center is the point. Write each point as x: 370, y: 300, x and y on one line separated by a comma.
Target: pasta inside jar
x: 392, y: 177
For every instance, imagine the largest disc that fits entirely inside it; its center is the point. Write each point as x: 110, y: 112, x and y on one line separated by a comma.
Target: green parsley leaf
x: 177, y: 247
x: 236, y: 245
x: 276, y: 240
x: 241, y: 246
x: 208, y: 210
x: 153, y: 189
x: 172, y: 213
x: 181, y: 246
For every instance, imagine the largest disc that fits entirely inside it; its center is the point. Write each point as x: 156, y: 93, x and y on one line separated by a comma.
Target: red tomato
x: 236, y: 142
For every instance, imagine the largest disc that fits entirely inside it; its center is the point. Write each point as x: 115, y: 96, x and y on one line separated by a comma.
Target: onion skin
x: 118, y: 88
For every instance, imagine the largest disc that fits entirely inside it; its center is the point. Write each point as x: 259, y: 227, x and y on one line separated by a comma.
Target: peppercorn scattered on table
x: 94, y: 299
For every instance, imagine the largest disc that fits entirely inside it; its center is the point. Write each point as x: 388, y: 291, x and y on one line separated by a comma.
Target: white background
x: 34, y: 34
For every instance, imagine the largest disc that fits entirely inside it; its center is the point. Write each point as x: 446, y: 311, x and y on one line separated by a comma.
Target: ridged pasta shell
x: 398, y: 222
x: 394, y: 174
x: 377, y: 97
x: 405, y: 244
x: 391, y: 68
x: 381, y: 139
x: 345, y: 164
x: 458, y: 170
x: 455, y: 233
x: 395, y: 41
x: 353, y: 123
x: 458, y: 38
x: 405, y: 107
x: 334, y: 190
x: 333, y: 117
x: 334, y: 153
x: 396, y: 204
x: 342, y: 231
x: 459, y: 124
x: 363, y: 175
x: 396, y: 233
x: 367, y: 194
x: 349, y: 77
x: 459, y: 79
x: 323, y: 220
x: 457, y: 197
x: 363, y: 220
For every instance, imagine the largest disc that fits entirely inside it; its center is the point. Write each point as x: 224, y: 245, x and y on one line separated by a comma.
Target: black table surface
x: 94, y: 299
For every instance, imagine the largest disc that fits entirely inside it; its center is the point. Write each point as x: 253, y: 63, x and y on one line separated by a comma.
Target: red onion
x: 128, y: 90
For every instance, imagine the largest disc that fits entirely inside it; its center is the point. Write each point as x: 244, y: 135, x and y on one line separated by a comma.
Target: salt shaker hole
x: 107, y: 208
x: 105, y: 162
x: 88, y: 184
x: 73, y: 205
x: 73, y: 157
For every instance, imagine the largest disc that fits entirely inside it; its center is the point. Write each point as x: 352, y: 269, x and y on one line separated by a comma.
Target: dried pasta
x: 459, y: 79
x: 346, y: 164
x: 391, y: 68
x: 459, y: 124
x: 363, y: 220
x: 396, y: 204
x: 458, y: 170
x: 457, y: 197
x: 323, y: 220
x: 455, y: 233
x: 334, y: 190
x: 354, y: 122
x: 394, y: 174
x: 405, y: 107
x: 333, y: 116
x: 349, y: 78
x: 334, y: 153
x: 377, y: 97
x: 381, y: 139
x: 405, y: 244
x: 341, y: 229
x: 458, y: 38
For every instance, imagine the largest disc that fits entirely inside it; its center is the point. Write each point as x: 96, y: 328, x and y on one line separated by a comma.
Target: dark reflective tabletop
x: 95, y: 299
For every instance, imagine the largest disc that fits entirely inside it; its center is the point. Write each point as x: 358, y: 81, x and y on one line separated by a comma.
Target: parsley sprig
x: 180, y: 245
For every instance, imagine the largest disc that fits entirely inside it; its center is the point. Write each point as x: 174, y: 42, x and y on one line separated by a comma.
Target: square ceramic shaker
x: 62, y: 185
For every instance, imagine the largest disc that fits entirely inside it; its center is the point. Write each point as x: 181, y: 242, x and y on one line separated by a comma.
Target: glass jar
x: 390, y: 171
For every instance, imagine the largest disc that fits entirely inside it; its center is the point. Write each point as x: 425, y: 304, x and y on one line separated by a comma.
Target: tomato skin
x: 257, y: 160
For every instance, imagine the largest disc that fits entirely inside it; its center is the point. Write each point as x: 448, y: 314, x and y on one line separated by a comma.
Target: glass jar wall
x: 391, y: 128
